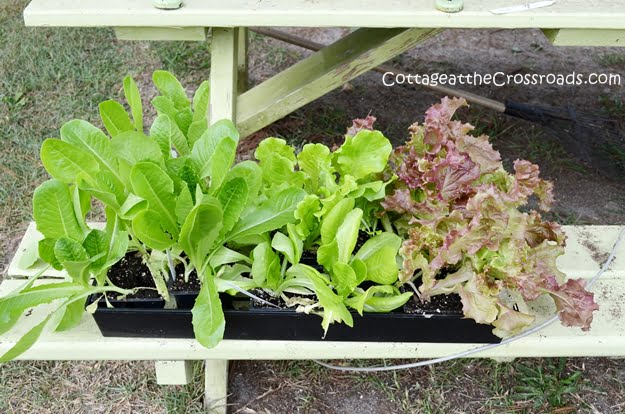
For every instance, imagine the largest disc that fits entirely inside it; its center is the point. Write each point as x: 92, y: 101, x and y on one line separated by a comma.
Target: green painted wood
x: 322, y: 72
x: 242, y: 80
x: 216, y: 386
x: 604, y: 14
x: 167, y: 4
x: 161, y: 33
x: 174, y: 372
x: 224, y: 70
x: 586, y: 37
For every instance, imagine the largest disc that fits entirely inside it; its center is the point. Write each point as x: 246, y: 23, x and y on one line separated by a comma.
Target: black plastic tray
x: 184, y: 299
x: 133, y: 303
x: 286, y: 324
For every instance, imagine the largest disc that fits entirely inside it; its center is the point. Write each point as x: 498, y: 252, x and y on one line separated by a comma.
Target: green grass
x: 547, y: 385
x: 59, y: 387
x: 613, y: 105
x: 612, y: 59
x: 185, y: 59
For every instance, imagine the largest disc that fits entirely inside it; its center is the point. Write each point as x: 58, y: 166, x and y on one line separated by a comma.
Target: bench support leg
x: 242, y: 80
x: 224, y: 71
x: 321, y: 72
x: 216, y: 386
x: 174, y: 372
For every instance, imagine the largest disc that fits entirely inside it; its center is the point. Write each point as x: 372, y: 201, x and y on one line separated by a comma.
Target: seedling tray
x: 289, y: 325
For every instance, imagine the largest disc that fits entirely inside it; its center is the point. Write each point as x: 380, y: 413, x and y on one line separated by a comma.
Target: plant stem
x: 170, y: 262
x: 386, y: 223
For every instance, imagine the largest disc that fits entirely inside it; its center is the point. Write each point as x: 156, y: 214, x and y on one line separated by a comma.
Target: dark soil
x: 180, y: 285
x: 438, y: 305
x: 129, y: 273
x: 266, y: 296
x: 309, y: 257
x: 362, y: 238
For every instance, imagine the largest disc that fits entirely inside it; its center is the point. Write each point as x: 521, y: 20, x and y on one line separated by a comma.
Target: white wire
x: 466, y: 353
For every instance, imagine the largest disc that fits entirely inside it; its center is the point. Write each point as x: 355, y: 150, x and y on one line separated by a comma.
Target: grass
x: 612, y: 59
x: 549, y: 385
x: 526, y: 386
x: 110, y: 387
x: 613, y: 105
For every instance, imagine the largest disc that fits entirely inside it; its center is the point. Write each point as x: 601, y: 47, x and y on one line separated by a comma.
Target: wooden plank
x: 322, y: 72
x: 586, y: 244
x: 216, y: 386
x: 582, y: 37
x: 161, y: 33
x: 587, y: 248
x: 606, y: 14
x: 174, y: 372
x: 605, y: 338
x: 224, y: 70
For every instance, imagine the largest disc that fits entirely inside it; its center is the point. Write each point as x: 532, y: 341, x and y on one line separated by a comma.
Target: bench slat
x: 607, y: 14
x: 606, y: 338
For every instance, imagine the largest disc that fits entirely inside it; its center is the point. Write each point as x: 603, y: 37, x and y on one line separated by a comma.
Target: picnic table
x: 385, y: 29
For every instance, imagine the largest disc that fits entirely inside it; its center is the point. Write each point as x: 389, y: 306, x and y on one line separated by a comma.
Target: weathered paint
x: 322, y: 72
x: 579, y: 14
x: 216, y: 385
x: 586, y: 37
x: 224, y: 71
x: 173, y: 372
x: 161, y: 33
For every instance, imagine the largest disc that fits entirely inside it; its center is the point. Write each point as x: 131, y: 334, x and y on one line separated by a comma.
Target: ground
x: 49, y: 76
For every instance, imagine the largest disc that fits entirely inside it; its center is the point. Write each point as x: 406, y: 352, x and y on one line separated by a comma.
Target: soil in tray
x: 438, y: 305
x: 130, y: 272
x: 309, y: 257
x: 266, y: 296
x: 181, y: 285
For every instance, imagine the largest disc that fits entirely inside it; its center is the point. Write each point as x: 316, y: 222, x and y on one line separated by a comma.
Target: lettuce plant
x: 439, y: 212
x: 460, y: 214
x: 343, y: 193
x: 85, y: 253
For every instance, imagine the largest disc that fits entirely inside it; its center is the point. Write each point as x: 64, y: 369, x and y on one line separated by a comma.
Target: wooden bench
x: 387, y: 29
x: 587, y: 247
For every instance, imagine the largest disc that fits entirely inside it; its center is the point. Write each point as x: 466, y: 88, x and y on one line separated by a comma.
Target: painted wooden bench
x: 587, y: 247
x: 388, y: 28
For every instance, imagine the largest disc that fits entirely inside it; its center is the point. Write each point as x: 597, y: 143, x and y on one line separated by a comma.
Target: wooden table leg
x: 216, y: 386
x: 224, y: 73
x: 174, y: 372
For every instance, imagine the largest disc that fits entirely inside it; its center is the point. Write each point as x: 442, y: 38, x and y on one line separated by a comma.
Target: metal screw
x: 167, y: 4
x: 449, y: 6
